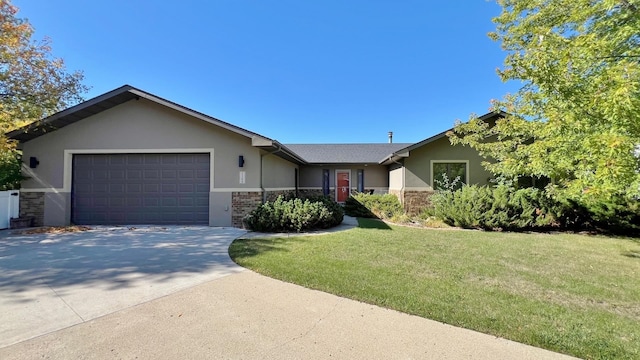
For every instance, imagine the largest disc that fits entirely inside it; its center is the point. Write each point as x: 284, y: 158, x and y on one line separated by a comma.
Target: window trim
x: 466, y: 162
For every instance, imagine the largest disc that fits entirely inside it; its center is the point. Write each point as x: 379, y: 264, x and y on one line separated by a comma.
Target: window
x: 447, y: 173
x: 325, y: 182
x: 361, y: 180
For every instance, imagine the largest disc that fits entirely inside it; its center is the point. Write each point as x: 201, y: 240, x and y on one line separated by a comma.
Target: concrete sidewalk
x: 249, y: 316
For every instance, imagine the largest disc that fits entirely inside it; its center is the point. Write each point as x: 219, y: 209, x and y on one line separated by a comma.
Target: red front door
x: 342, y: 186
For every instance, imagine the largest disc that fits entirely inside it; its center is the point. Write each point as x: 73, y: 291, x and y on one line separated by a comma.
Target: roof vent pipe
x: 390, y: 137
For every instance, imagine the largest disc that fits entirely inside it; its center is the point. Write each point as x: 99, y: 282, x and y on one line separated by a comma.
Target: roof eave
x: 41, y: 127
x: 111, y: 99
x: 276, y: 148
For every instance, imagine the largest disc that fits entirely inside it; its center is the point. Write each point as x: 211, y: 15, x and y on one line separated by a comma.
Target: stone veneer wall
x: 32, y: 205
x: 242, y: 203
x: 273, y: 195
x: 413, y: 201
x: 416, y: 201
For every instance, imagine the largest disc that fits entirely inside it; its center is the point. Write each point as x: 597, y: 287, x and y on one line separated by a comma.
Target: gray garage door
x: 111, y: 189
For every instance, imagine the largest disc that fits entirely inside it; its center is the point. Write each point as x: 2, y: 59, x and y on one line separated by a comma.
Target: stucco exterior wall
x: 142, y: 126
x: 396, y: 172
x: 278, y: 173
x: 418, y: 164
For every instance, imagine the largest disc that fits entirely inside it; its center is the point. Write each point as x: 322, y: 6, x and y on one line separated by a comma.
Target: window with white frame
x: 449, y: 174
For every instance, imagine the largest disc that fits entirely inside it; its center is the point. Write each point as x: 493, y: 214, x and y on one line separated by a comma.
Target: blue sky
x: 297, y: 71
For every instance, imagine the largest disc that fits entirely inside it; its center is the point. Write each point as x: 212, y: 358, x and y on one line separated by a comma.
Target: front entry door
x: 342, y: 185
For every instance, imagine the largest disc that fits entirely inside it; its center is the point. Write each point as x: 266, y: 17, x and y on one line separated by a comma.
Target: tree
x: 33, y: 83
x: 576, y: 119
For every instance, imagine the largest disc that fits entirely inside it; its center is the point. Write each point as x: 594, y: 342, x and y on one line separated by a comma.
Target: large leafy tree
x: 576, y: 118
x: 33, y: 83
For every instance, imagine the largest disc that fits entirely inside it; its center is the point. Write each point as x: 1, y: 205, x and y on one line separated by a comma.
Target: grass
x: 574, y: 294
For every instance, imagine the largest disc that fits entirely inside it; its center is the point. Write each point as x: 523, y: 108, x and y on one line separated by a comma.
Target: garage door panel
x: 186, y: 174
x: 135, y: 159
x: 117, y: 202
x: 186, y: 188
x: 169, y: 188
x: 150, y: 175
x: 134, y: 174
x: 99, y: 174
x: 116, y: 188
x: 140, y: 189
x: 202, y: 175
x: 151, y: 188
x: 169, y: 160
x: 116, y: 160
x: 116, y: 174
x: 202, y: 188
x: 169, y: 175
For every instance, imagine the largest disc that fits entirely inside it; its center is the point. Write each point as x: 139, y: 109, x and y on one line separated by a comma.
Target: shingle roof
x: 345, y: 153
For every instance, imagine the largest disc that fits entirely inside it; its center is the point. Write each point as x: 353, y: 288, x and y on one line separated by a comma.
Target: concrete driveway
x: 52, y: 281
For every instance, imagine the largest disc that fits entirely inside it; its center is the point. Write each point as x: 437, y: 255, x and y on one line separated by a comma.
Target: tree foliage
x: 33, y: 83
x: 576, y: 118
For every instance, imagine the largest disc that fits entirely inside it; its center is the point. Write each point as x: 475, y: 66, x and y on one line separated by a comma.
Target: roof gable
x: 404, y: 152
x: 127, y: 93
x: 111, y: 99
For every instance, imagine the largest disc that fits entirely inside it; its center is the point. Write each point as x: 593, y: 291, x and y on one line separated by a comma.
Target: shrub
x: 501, y: 207
x: 507, y: 208
x: 295, y: 215
x: 373, y: 206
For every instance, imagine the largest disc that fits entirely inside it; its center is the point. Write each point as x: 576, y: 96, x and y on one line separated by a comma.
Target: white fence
x: 9, y: 207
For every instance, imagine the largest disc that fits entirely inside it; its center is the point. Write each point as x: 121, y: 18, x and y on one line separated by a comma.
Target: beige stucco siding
x: 418, y: 164
x: 396, y: 172
x: 143, y: 125
x: 277, y: 173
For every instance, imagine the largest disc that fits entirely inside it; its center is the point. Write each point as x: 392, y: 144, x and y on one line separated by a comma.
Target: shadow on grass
x: 632, y: 254
x: 247, y: 248
x: 365, y: 223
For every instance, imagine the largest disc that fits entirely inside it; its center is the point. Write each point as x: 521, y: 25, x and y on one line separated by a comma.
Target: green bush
x: 507, y: 208
x: 613, y: 214
x: 373, y: 206
x: 295, y: 215
x: 501, y: 207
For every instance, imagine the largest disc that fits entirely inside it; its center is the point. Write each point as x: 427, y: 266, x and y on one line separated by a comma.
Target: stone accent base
x: 242, y: 203
x: 273, y: 195
x: 32, y: 206
x: 413, y: 201
x: 416, y: 201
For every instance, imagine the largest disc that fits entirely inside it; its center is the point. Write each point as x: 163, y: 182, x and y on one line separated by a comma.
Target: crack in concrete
x: 310, y: 328
x: 67, y: 304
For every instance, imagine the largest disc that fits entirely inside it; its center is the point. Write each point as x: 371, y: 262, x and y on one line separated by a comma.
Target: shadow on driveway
x: 50, y: 281
x: 106, y: 254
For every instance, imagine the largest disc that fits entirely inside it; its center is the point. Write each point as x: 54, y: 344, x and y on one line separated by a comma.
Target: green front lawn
x: 574, y: 294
